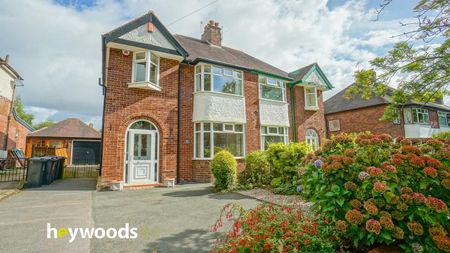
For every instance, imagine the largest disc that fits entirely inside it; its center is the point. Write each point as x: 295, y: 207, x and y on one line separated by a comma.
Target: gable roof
x: 338, y: 103
x: 150, y: 17
x: 68, y: 128
x: 21, y: 121
x: 5, y: 64
x: 200, y: 50
x: 302, y: 75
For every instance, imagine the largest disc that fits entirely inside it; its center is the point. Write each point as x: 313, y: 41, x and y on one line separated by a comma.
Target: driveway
x: 167, y: 219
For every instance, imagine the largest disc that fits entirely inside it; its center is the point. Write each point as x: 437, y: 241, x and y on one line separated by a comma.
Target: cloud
x: 57, y: 47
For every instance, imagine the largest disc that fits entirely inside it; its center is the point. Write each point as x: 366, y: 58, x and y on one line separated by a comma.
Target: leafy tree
x: 27, y: 117
x: 421, y: 63
x: 43, y: 124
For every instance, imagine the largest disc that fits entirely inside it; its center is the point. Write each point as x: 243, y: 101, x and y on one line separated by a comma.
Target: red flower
x: 379, y: 187
x: 387, y: 223
x: 446, y: 183
x: 442, y: 242
x: 415, y: 228
x: 398, y: 233
x: 430, y: 172
x: 406, y: 190
x: 373, y: 171
x: 341, y: 226
x: 410, y: 150
x: 417, y: 161
x: 436, y: 205
x: 432, y: 162
x: 354, y: 217
x: 356, y: 204
x: 370, y: 208
x: 418, y: 198
x: 373, y: 226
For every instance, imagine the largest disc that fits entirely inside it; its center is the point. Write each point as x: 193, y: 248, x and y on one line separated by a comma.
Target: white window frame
x: 311, y: 107
x: 415, y: 111
x: 266, y: 133
x: 314, y: 141
x: 200, y: 74
x: 148, y: 62
x: 279, y: 84
x: 444, y: 115
x: 211, y: 131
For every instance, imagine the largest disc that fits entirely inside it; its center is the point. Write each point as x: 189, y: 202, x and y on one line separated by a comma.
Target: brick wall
x: 17, y: 132
x: 124, y: 106
x: 305, y: 119
x: 187, y: 127
x: 366, y: 119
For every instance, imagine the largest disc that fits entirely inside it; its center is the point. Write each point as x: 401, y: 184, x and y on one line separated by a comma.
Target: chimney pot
x: 7, y: 58
x: 91, y: 125
x: 212, y: 33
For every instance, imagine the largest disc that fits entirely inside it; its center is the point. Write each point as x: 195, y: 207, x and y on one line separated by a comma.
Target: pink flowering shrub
x: 375, y: 191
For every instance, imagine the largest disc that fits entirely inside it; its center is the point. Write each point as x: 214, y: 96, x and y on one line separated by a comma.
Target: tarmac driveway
x: 167, y: 219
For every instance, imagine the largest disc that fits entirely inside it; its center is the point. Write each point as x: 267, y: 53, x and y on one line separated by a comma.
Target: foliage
x: 442, y: 135
x: 20, y: 110
x: 223, y: 168
x: 270, y: 228
x: 285, y: 159
x: 43, y: 124
x: 422, y: 71
x: 257, y: 170
x: 375, y: 191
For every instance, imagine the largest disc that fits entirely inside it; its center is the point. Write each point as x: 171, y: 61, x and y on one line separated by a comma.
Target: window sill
x: 311, y: 108
x: 209, y: 159
x: 144, y: 85
x: 272, y: 101
x: 218, y: 93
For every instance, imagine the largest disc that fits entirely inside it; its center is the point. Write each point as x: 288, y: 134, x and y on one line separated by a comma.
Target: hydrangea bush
x: 375, y: 191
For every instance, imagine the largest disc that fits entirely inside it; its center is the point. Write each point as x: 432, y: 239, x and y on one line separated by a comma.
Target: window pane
x: 142, y: 125
x: 207, y: 68
x: 139, y: 72
x: 226, y: 84
x: 218, y: 127
x: 228, y: 127
x: 206, y: 126
x: 197, y: 145
x: 273, y: 130
x: 207, y: 145
x: 271, y: 81
x: 267, y: 140
x: 198, y: 69
x: 237, y: 74
x: 227, y: 72
x: 217, y: 71
x: 140, y: 56
x: 233, y: 142
x: 197, y: 127
x: 264, y: 130
x: 198, y: 82
x: 207, y: 82
x: 270, y: 92
x: 153, y: 73
x: 154, y: 58
x: 238, y: 128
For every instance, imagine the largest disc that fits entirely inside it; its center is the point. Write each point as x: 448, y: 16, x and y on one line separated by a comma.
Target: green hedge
x: 224, y: 168
x: 257, y: 170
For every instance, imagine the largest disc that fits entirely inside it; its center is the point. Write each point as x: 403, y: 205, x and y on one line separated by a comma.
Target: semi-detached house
x: 171, y: 102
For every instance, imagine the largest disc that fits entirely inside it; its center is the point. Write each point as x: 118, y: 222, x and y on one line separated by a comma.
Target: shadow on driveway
x: 190, y: 240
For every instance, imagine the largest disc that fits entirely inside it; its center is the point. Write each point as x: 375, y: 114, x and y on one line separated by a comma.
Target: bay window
x: 272, y: 89
x: 444, y: 119
x: 311, y: 98
x: 218, y: 79
x: 145, y: 67
x: 416, y: 116
x: 272, y: 134
x: 211, y: 138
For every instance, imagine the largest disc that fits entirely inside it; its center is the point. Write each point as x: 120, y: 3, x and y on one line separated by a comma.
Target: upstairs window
x: 272, y: 89
x: 145, y: 67
x: 311, y: 97
x: 416, y: 116
x: 444, y: 119
x: 218, y: 79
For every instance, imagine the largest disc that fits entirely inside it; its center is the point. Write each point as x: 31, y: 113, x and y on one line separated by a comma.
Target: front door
x: 142, y: 160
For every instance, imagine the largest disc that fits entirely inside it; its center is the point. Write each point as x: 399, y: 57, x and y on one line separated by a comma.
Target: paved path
x: 24, y: 216
x: 168, y: 219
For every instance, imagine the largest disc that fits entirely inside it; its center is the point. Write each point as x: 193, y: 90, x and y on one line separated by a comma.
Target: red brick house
x: 173, y: 101
x: 415, y: 120
x: 13, y: 130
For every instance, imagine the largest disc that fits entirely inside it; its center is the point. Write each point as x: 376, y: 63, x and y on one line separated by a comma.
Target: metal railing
x: 82, y: 168
x: 11, y: 170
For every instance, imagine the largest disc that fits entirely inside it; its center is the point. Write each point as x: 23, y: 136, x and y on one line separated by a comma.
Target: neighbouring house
x: 171, y: 102
x: 72, y: 138
x: 13, y: 130
x: 414, y: 120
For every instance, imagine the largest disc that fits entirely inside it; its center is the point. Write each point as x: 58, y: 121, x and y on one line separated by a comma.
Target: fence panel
x: 83, y: 168
x: 11, y: 171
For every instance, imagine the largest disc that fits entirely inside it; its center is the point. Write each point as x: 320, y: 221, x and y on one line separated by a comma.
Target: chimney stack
x: 212, y: 33
x: 91, y: 125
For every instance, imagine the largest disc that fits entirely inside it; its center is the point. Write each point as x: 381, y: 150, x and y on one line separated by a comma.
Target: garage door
x: 86, y: 152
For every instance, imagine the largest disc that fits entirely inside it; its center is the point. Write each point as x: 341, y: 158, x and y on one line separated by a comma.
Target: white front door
x: 142, y: 160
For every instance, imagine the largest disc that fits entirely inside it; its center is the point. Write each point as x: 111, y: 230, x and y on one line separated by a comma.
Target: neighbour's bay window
x: 444, y: 119
x: 218, y: 79
x: 416, y: 116
x: 273, y: 134
x: 272, y: 89
x: 211, y: 138
x: 311, y: 97
x: 145, y: 67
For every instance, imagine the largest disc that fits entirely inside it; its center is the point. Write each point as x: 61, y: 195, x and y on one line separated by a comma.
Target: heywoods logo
x: 99, y: 233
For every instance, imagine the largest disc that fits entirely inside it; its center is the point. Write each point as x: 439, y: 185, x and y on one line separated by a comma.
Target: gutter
x: 179, y: 123
x: 294, y: 129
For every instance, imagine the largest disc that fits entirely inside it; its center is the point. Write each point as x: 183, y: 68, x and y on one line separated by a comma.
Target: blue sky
x: 55, y: 45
